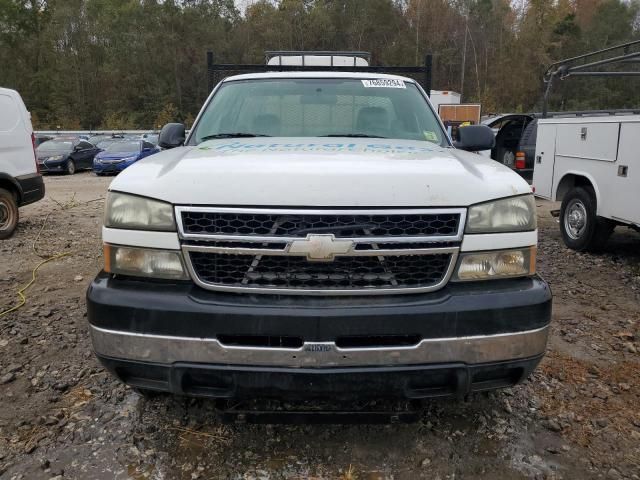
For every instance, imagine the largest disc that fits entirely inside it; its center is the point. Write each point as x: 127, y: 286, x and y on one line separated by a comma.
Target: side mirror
x: 475, y: 138
x: 172, y: 135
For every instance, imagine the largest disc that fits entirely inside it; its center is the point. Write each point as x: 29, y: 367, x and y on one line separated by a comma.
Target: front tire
x: 8, y: 213
x: 70, y: 167
x: 581, y: 228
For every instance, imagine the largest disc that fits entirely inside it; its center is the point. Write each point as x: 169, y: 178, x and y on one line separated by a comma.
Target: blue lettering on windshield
x: 239, y: 147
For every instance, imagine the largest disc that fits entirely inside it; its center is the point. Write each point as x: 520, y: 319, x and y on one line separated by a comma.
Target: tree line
x: 140, y: 63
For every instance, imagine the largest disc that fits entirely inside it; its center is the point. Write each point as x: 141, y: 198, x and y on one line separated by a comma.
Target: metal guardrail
x: 94, y: 132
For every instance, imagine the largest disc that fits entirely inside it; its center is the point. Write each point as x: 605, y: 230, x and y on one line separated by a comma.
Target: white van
x: 20, y: 180
x: 591, y: 165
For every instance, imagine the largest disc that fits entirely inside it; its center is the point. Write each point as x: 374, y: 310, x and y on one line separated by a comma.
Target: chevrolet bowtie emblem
x: 320, y: 247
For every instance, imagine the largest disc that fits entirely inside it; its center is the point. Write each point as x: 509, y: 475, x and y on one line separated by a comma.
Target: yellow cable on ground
x: 23, y: 298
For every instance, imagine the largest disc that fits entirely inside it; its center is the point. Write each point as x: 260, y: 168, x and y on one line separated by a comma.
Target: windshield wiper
x: 353, y: 135
x: 233, y: 135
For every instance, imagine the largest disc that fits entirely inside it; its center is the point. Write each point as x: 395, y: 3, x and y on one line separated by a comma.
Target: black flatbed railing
x: 215, y: 70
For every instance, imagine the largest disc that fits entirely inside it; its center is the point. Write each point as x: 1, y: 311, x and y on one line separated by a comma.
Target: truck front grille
x: 341, y: 225
x: 332, y: 252
x: 344, y: 273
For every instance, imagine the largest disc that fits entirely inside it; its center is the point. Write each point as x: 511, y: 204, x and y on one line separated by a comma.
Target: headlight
x: 128, y: 159
x: 56, y: 157
x: 497, y: 264
x: 515, y: 214
x: 138, y: 213
x: 142, y: 262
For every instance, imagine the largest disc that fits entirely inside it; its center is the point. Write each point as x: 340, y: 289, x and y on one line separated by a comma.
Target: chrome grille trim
x: 353, y: 253
x: 341, y: 292
x: 195, y: 242
x: 330, y: 211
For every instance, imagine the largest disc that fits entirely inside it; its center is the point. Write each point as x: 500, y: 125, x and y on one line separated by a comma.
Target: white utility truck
x: 317, y: 234
x: 592, y: 165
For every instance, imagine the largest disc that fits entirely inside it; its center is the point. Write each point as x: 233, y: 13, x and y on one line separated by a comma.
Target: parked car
x: 318, y: 235
x: 151, y: 138
x: 20, y: 180
x: 95, y: 139
x: 105, y: 141
x: 511, y: 136
x: 496, y: 122
x: 42, y: 138
x: 524, y: 161
x: 119, y: 155
x: 66, y: 155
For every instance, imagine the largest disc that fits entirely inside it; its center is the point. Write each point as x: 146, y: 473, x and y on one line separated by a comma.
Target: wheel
x: 70, y: 167
x: 8, y: 213
x: 581, y: 228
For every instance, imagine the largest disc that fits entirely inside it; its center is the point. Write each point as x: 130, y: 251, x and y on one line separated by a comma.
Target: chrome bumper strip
x: 168, y: 350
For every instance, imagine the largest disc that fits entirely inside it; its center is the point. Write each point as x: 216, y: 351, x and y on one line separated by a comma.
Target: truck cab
x: 317, y: 234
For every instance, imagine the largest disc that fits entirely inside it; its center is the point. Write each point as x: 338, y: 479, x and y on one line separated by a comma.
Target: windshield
x: 379, y: 108
x: 56, y: 146
x: 123, y: 147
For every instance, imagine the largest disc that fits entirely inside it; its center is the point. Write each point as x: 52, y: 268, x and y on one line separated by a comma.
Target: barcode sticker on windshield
x: 383, y: 83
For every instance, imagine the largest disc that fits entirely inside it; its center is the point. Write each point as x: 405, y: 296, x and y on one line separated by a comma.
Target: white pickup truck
x: 318, y: 235
x: 591, y: 164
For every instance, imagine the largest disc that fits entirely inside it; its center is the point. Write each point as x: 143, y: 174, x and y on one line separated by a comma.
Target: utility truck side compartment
x: 591, y: 164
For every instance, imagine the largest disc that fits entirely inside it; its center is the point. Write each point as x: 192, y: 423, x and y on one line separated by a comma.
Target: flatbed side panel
x: 544, y: 159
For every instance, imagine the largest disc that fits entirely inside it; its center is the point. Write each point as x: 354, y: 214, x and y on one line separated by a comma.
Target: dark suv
x: 510, y: 131
x: 524, y: 160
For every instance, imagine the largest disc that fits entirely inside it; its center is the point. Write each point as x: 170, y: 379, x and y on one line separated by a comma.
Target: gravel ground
x: 62, y: 416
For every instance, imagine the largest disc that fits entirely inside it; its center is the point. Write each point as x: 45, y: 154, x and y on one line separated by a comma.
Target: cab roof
x: 328, y: 74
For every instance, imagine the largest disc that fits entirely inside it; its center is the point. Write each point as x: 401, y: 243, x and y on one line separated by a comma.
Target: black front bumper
x: 185, y: 310
x: 171, y: 317
x: 32, y: 188
x: 247, y: 382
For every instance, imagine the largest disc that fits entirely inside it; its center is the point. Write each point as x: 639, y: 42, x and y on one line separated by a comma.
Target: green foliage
x: 168, y: 114
x: 141, y: 63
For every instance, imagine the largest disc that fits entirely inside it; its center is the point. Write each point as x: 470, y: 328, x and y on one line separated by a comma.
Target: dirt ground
x: 62, y: 416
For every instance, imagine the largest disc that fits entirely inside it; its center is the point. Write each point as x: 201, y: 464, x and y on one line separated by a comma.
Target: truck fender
x: 576, y: 173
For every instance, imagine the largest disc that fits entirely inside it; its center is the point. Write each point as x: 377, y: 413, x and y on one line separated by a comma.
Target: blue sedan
x: 119, y: 155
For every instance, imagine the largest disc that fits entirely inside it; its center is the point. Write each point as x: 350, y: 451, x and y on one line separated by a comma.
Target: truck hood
x: 319, y: 172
